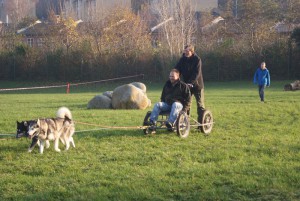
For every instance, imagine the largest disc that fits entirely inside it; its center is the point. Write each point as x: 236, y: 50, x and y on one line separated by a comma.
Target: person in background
x: 190, y: 69
x: 262, y: 79
x: 175, y: 97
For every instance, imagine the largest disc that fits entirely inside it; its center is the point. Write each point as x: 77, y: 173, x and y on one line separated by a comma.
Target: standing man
x: 190, y: 68
x: 175, y: 97
x: 262, y: 79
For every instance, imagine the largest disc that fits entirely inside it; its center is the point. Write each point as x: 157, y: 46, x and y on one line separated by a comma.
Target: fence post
x: 68, y: 88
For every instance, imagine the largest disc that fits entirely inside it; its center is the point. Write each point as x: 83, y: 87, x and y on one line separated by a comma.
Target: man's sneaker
x: 169, y: 126
x: 149, y: 123
x: 152, y: 130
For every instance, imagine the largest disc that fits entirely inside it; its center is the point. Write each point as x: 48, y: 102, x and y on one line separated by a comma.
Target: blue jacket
x: 262, y: 77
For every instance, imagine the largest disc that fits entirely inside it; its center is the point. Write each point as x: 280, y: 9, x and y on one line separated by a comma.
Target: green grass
x: 253, y: 152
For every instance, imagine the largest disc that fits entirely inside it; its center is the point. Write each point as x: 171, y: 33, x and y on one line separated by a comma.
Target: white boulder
x: 129, y: 96
x: 108, y: 94
x: 140, y: 85
x: 100, y: 102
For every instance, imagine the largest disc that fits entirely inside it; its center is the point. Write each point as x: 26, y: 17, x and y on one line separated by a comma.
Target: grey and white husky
x: 61, y: 127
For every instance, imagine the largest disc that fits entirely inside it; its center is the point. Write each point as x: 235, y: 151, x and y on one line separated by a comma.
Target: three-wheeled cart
x: 182, y: 125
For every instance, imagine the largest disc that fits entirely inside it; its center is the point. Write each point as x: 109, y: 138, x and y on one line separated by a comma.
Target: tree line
x: 123, y: 43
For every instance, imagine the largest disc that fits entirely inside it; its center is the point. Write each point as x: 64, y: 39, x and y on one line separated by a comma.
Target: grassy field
x: 253, y: 152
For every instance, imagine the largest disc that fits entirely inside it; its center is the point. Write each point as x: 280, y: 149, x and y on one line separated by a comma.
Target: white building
x: 92, y: 9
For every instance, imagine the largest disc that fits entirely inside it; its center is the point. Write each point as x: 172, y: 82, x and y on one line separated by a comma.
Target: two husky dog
x: 61, y: 128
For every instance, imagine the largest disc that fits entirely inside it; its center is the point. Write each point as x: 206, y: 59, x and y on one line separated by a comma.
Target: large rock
x: 108, y: 94
x: 149, y: 103
x: 129, y: 96
x: 292, y: 86
x: 140, y: 85
x: 100, y: 102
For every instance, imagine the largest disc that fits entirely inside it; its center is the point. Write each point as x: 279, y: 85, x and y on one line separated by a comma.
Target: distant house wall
x: 204, y: 5
x: 93, y: 9
x: 33, y: 41
x: 198, y: 5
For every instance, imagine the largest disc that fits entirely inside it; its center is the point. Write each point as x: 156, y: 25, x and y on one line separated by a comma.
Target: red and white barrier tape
x: 30, y: 88
x: 75, y: 84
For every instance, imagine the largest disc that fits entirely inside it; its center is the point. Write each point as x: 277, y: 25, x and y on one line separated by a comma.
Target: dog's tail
x: 64, y: 113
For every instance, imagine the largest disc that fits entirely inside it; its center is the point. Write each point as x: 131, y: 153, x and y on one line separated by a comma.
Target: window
x: 40, y: 42
x: 30, y: 42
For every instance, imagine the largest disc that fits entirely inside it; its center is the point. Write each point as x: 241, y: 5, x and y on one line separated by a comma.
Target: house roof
x: 282, y: 27
x: 212, y: 23
x: 39, y: 29
x: 42, y: 28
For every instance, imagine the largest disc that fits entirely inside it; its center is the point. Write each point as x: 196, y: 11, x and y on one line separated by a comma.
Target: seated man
x: 175, y: 97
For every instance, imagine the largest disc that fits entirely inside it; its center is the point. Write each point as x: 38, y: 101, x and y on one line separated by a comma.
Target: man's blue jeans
x: 174, y: 109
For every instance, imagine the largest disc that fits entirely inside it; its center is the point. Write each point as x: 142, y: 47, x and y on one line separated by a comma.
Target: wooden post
x: 68, y: 88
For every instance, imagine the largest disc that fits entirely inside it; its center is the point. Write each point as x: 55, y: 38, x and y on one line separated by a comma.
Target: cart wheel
x: 146, y: 122
x: 183, y: 125
x: 206, y: 122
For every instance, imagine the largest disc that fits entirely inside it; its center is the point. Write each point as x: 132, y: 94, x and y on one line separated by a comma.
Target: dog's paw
x: 51, y: 136
x: 57, y: 150
x: 29, y: 150
x: 47, y: 144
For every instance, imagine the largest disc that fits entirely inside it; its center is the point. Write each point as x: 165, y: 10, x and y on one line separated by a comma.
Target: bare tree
x: 290, y: 11
x: 254, y: 23
x: 179, y: 31
x: 18, y: 9
x: 124, y: 33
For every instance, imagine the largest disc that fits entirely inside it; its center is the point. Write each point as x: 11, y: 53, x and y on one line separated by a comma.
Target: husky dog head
x: 34, y: 129
x: 22, y: 128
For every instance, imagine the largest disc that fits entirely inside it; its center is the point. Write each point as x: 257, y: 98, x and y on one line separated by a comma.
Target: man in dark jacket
x: 190, y: 68
x: 175, y: 97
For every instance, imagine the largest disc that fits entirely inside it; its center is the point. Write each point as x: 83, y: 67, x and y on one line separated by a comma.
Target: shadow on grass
x: 104, y: 133
x: 14, y: 144
x: 71, y: 106
x: 109, y: 133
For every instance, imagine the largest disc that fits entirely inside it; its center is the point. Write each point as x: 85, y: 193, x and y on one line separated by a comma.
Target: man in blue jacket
x: 262, y: 79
